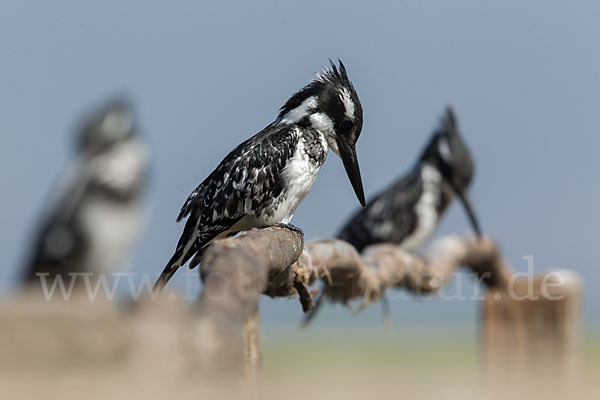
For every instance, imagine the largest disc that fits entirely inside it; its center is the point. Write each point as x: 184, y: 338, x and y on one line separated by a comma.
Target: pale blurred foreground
x: 529, y: 344
x: 98, y: 350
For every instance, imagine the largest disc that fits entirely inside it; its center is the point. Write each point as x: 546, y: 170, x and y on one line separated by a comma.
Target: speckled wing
x: 388, y: 218
x: 60, y: 244
x: 246, y: 181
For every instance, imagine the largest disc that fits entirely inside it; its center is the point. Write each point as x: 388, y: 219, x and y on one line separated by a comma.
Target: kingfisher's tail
x: 186, y: 248
x: 167, y: 273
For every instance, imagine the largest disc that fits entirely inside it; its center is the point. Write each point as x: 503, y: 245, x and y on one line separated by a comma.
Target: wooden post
x: 253, y: 349
x: 532, y: 329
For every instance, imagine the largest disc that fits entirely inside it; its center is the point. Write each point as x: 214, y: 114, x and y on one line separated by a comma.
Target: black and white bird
x: 98, y: 208
x: 409, y: 211
x: 263, y: 180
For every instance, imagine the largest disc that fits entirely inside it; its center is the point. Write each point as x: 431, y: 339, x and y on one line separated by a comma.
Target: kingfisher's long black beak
x: 466, y: 201
x: 348, y: 156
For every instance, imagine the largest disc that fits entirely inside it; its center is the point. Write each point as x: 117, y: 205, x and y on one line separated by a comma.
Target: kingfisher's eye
x: 347, y: 125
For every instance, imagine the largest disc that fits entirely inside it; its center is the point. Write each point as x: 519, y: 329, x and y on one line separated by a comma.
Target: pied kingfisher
x: 408, y: 212
x: 98, y: 210
x: 263, y: 180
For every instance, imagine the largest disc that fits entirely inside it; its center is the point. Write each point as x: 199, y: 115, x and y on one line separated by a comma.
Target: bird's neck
x: 430, y: 174
x: 319, y: 122
x: 434, y: 182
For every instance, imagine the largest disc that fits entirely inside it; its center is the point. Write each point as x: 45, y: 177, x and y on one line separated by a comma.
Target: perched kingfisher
x: 98, y: 209
x: 409, y: 211
x: 263, y: 180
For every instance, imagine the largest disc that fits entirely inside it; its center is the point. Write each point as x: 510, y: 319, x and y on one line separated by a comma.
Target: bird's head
x: 330, y: 105
x: 449, y: 154
x: 110, y: 125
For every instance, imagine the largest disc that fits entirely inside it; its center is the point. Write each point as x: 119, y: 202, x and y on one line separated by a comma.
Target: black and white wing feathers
x: 246, y: 181
x: 389, y: 217
x: 60, y: 244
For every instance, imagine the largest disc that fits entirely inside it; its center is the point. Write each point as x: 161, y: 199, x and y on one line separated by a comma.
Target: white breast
x: 426, y: 209
x: 299, y: 175
x: 111, y: 228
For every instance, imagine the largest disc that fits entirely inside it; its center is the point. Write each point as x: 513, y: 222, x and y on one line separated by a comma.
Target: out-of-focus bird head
x: 330, y: 105
x: 112, y: 124
x: 447, y: 152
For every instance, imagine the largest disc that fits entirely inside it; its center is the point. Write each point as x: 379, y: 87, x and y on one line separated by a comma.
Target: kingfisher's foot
x: 290, y: 227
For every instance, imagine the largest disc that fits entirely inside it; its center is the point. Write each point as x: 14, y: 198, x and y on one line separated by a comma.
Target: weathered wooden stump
x: 532, y: 329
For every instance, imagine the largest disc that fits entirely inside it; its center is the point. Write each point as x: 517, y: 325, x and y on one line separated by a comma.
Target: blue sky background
x: 524, y: 78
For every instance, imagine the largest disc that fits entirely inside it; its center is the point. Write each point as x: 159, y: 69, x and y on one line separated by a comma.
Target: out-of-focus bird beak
x: 466, y: 201
x: 348, y: 156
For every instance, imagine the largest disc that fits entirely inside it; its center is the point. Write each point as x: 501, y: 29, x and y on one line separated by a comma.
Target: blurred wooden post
x: 253, y: 349
x: 236, y: 271
x: 532, y: 328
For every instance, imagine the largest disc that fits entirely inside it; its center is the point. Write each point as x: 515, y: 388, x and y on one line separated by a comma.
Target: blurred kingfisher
x: 409, y: 211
